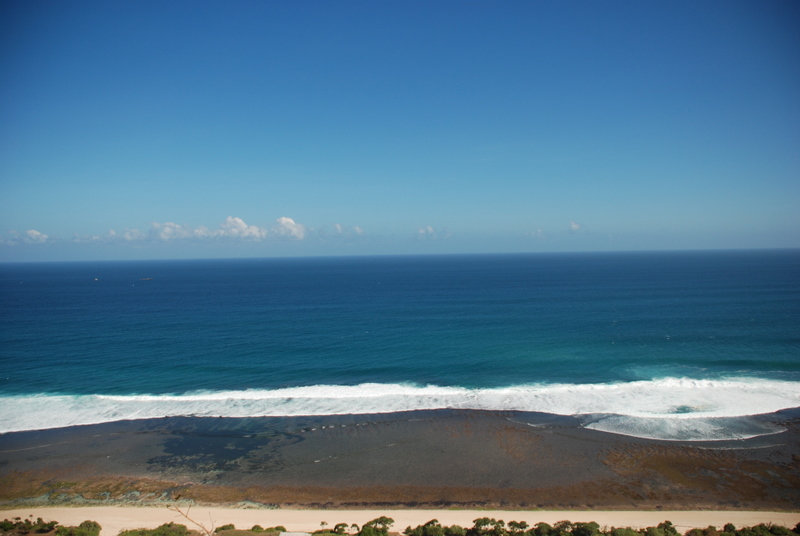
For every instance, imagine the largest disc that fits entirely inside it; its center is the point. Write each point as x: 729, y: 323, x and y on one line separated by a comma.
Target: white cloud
x: 429, y: 233
x: 236, y: 227
x: 78, y: 239
x: 32, y: 236
x: 203, y: 232
x: 133, y: 234
x: 170, y: 231
x: 574, y: 226
x: 288, y: 227
x: 342, y: 230
x: 233, y: 228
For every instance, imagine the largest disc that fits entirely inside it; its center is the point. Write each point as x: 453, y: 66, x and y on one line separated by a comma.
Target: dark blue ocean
x: 630, y: 341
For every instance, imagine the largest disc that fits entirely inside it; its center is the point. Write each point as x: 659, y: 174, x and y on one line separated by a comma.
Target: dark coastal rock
x: 421, y: 459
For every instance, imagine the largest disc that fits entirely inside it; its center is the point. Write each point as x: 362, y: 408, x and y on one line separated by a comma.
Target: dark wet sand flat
x: 420, y: 459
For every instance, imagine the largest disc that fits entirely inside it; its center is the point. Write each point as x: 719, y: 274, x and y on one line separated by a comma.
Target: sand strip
x: 116, y: 518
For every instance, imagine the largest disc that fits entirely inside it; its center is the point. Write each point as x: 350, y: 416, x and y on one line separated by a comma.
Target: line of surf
x: 682, y: 404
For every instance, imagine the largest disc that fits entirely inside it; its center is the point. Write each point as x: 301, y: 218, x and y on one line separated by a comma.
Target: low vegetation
x: 18, y: 526
x: 493, y: 527
x: 483, y: 526
x: 167, y: 529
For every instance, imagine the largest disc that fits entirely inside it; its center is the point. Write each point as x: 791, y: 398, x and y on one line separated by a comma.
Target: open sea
x: 664, y: 345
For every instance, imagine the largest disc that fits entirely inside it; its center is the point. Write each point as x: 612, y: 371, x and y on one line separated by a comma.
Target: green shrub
x: 668, y: 529
x: 627, y: 531
x: 167, y: 529
x: 653, y: 531
x: 589, y: 529
x: 377, y: 527
x: 26, y: 526
x: 87, y: 528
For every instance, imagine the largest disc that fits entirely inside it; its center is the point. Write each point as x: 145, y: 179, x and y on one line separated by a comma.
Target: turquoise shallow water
x: 495, y: 332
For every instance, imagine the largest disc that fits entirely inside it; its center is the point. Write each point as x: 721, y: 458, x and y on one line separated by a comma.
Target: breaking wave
x: 669, y: 408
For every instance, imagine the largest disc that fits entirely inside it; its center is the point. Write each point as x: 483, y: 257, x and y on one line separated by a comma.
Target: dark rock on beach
x: 443, y: 458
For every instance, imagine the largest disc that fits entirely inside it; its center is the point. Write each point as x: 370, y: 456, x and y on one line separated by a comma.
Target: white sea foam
x: 671, y: 408
x: 688, y: 429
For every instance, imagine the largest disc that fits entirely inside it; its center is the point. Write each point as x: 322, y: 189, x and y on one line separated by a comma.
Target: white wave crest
x: 668, y: 401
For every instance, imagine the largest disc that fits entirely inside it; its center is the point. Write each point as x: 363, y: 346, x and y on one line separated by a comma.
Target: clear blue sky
x: 152, y: 129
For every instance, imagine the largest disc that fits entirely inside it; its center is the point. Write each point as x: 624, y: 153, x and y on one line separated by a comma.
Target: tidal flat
x: 418, y: 459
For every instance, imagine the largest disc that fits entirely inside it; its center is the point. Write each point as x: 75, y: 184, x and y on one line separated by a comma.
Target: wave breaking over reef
x: 667, y: 409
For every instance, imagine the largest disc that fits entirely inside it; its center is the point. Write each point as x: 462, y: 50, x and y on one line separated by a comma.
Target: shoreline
x: 667, y: 407
x: 115, y: 518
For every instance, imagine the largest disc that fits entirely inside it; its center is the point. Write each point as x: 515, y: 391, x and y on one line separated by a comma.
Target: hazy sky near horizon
x: 148, y: 129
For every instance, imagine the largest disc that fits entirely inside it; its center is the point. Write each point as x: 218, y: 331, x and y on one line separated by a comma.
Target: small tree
x: 563, y: 527
x: 480, y: 526
x: 668, y: 529
x: 377, y: 527
x: 589, y: 529
x: 382, y: 523
x: 87, y: 528
x: 517, y: 527
x: 627, y: 531
x: 653, y: 531
x: 432, y: 528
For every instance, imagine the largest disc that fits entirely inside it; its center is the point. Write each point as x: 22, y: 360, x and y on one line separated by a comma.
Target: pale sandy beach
x: 114, y: 519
